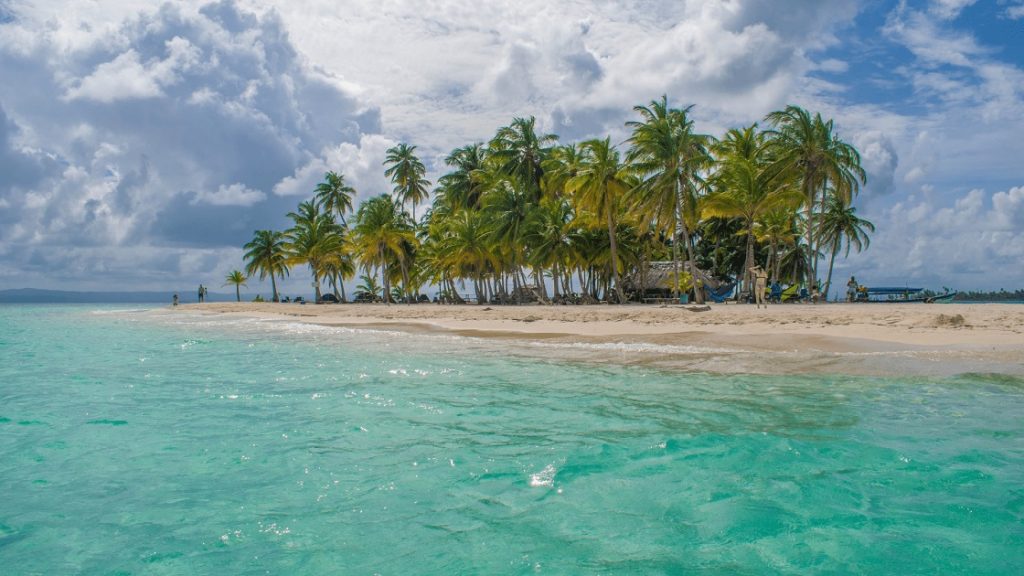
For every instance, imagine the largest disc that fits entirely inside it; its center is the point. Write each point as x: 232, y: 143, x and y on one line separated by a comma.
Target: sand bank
x: 939, y: 338
x: 957, y: 325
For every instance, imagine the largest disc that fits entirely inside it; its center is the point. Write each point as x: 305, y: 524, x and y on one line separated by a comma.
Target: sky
x: 141, y: 143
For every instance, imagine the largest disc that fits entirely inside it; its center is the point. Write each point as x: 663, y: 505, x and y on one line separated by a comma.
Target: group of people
x: 761, y: 284
x: 201, y: 293
x: 855, y: 291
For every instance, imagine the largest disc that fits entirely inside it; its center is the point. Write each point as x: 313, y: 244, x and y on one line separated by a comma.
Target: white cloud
x: 832, y: 65
x: 126, y: 77
x: 361, y: 164
x: 974, y: 242
x: 949, y: 9
x: 879, y: 159
x: 453, y: 74
x: 123, y: 109
x: 234, y: 195
x: 158, y: 134
x: 913, y: 175
x: 122, y: 78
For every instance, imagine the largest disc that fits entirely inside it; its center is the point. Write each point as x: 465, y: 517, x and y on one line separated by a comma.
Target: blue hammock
x: 720, y: 294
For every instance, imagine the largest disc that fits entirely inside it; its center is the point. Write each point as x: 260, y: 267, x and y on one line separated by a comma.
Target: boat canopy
x: 885, y: 290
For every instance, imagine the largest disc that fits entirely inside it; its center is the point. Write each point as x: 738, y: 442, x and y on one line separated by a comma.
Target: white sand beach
x: 951, y: 337
x: 956, y: 325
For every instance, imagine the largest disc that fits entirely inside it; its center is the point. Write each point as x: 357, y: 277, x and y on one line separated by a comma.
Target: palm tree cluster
x: 521, y: 213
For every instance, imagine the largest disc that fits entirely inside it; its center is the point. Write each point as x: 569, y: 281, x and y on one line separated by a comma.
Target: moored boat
x: 901, y: 294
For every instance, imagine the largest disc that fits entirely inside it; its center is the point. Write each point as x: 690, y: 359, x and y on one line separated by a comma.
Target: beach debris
x: 952, y: 321
x: 704, y: 308
x: 530, y: 318
x: 488, y: 308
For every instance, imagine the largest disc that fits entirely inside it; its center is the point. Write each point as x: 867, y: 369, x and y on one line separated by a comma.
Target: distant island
x: 38, y: 296
x: 1000, y: 296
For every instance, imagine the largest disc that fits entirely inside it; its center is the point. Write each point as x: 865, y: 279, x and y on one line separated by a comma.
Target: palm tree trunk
x: 405, y: 275
x: 615, y: 255
x: 337, y: 280
x: 675, y: 266
x: 273, y: 285
x: 698, y: 291
x: 749, y: 261
x: 698, y: 294
x: 809, y: 232
x: 538, y: 280
x: 342, y: 282
x: 316, y: 280
x: 384, y: 279
x: 831, y: 263
x: 817, y: 233
x: 645, y: 266
x: 238, y: 293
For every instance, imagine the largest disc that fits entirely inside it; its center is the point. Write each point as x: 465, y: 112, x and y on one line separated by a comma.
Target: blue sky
x: 141, y: 144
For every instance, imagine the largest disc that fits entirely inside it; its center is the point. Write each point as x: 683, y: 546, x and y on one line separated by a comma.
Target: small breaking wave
x: 634, y: 347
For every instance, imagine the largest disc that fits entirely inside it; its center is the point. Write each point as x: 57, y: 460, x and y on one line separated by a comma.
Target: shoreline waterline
x: 840, y: 339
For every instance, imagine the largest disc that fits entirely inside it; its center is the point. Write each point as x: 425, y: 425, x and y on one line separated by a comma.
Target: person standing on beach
x: 201, y: 293
x: 851, y: 290
x: 174, y: 300
x: 760, y: 284
x: 206, y: 292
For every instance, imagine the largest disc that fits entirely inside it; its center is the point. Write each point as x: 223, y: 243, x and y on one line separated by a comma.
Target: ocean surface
x: 134, y: 442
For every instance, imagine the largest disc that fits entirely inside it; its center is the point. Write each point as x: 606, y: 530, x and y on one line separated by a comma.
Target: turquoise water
x: 134, y: 443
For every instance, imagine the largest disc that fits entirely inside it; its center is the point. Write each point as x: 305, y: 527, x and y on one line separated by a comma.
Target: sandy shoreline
x: 942, y: 325
x: 937, y: 338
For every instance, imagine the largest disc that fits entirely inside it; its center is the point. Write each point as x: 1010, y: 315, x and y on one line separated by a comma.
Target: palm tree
x: 561, y: 164
x: 598, y: 187
x: 840, y: 224
x: 314, y: 239
x: 469, y: 246
x: 746, y: 188
x: 507, y: 207
x: 340, y: 266
x: 519, y: 152
x: 381, y: 231
x: 266, y: 255
x: 334, y: 196
x: 668, y: 156
x: 238, y: 279
x: 369, y: 286
x: 779, y: 229
x: 458, y: 188
x: 406, y: 172
x: 808, y: 146
x: 548, y: 233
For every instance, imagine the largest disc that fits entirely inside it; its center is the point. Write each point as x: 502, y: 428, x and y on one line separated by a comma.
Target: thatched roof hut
x: 658, y: 276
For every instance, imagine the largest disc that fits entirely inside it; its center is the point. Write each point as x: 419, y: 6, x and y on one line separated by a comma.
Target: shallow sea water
x: 141, y: 443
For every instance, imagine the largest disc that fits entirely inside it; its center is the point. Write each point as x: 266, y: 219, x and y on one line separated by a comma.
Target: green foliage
x: 521, y: 208
x: 236, y: 278
x: 266, y: 255
x: 406, y: 172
